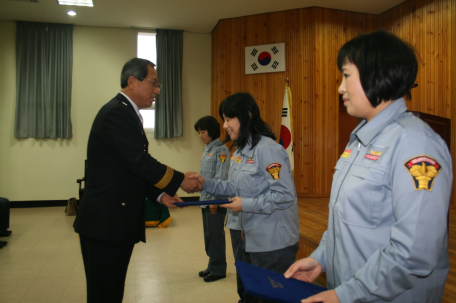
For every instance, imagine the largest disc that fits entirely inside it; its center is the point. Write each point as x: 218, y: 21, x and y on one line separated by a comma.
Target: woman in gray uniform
x: 387, y: 237
x: 261, y: 182
x: 214, y: 165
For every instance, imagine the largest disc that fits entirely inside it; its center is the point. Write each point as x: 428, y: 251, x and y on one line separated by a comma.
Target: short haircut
x: 135, y: 67
x: 387, y: 65
x: 210, y: 124
x: 241, y: 106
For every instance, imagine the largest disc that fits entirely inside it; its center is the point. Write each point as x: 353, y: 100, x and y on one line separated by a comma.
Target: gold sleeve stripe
x: 166, y: 178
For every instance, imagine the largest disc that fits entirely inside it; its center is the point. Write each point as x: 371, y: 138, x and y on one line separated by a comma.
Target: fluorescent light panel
x: 76, y: 2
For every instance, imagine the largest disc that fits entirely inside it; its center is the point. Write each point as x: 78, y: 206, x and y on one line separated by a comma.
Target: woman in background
x: 214, y: 165
x: 387, y: 238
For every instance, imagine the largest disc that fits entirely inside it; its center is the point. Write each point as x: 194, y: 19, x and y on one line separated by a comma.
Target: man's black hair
x: 135, y: 67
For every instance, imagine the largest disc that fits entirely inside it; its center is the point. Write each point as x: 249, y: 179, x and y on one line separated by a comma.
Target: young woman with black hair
x: 387, y: 238
x: 261, y: 182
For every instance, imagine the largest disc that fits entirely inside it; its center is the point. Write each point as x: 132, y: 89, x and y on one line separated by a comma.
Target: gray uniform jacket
x: 215, y: 164
x: 387, y: 229
x: 262, y: 178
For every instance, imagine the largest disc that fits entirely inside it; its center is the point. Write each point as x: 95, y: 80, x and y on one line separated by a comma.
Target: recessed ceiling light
x: 71, y: 13
x: 76, y: 2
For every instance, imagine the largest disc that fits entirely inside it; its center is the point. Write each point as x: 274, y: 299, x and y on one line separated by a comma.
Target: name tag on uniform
x: 346, y: 153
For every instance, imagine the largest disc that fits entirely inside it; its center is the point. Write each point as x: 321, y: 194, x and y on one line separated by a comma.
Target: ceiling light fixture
x: 76, y: 2
x: 71, y: 13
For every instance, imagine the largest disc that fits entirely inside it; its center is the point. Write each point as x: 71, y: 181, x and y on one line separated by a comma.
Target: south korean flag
x: 268, y: 58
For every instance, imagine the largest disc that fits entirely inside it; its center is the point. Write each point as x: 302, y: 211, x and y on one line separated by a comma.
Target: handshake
x: 193, y: 182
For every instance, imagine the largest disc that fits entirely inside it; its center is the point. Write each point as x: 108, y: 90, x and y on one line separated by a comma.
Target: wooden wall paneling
x: 451, y: 83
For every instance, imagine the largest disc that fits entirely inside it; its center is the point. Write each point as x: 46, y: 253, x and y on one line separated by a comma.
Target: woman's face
x: 204, y: 136
x: 355, y: 100
x: 232, y: 126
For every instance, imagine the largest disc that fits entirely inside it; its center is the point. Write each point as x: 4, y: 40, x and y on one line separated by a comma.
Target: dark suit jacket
x: 120, y: 173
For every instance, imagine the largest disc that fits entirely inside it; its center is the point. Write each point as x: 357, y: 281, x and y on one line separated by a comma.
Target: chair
x: 84, y: 179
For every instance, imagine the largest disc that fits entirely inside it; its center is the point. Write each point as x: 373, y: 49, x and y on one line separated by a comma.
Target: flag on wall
x: 268, y: 58
x: 286, y: 130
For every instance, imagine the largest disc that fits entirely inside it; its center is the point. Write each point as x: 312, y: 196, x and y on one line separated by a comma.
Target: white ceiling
x: 197, y: 16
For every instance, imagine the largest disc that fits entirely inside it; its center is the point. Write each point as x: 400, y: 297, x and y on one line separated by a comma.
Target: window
x: 147, y: 49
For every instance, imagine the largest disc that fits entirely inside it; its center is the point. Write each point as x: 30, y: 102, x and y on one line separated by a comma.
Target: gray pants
x: 241, y: 255
x: 214, y: 240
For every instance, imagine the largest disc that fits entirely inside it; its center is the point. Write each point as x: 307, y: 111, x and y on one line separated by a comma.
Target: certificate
x: 273, y: 286
x: 208, y: 202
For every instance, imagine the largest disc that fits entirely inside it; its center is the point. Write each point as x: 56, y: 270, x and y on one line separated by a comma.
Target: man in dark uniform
x: 120, y: 174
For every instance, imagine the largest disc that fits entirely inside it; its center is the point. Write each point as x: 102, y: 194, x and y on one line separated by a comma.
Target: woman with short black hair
x: 387, y: 229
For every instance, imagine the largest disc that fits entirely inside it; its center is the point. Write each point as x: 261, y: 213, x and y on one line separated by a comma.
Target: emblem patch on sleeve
x: 222, y: 157
x: 423, y: 170
x: 274, y: 170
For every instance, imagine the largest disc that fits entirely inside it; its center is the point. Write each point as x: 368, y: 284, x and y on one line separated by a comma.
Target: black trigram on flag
x: 274, y: 50
x: 284, y: 112
x: 254, y: 52
x: 274, y: 66
x: 254, y: 66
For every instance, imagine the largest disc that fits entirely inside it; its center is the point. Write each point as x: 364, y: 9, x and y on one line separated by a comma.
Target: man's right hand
x: 191, y: 185
x: 307, y: 270
x: 168, y: 201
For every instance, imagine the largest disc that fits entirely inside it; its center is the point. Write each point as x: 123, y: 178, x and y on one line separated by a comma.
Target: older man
x: 120, y: 174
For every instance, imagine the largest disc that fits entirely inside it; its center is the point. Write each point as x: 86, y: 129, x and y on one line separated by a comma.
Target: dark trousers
x: 241, y: 255
x: 105, y: 265
x: 4, y: 214
x: 214, y: 240
x: 277, y: 260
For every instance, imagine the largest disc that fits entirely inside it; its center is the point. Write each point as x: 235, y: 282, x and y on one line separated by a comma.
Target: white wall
x: 47, y: 169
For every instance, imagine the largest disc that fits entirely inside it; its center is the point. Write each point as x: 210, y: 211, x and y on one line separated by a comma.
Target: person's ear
x: 131, y: 81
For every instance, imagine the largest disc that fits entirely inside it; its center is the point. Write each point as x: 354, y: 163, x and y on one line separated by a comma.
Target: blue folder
x: 208, y: 202
x: 273, y: 286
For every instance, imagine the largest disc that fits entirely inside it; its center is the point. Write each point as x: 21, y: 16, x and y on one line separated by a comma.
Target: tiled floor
x: 42, y: 262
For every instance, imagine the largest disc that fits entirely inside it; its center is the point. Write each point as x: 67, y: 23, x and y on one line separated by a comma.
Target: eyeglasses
x: 154, y: 84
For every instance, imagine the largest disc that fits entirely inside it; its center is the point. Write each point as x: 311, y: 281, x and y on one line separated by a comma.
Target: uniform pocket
x: 249, y: 181
x: 363, y: 195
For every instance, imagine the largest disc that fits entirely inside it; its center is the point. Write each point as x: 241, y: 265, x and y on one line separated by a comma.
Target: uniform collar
x: 211, y: 144
x: 366, y: 131
x: 135, y: 107
x: 248, y: 150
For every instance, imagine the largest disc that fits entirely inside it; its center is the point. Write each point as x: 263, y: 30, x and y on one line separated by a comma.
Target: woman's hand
x: 328, y: 296
x: 307, y: 270
x: 235, y: 205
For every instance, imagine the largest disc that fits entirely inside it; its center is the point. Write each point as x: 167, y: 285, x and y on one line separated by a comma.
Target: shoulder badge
x: 346, y: 153
x: 222, y: 157
x: 274, y: 170
x: 423, y: 170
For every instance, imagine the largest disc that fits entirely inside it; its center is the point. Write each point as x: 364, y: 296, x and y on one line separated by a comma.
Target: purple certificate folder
x: 208, y: 202
x: 273, y: 286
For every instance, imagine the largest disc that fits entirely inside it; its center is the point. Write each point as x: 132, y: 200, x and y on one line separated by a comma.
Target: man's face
x: 145, y: 92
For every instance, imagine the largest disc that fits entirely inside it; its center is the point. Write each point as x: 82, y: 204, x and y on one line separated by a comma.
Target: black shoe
x: 5, y: 233
x: 212, y: 278
x: 204, y: 273
x: 3, y: 243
